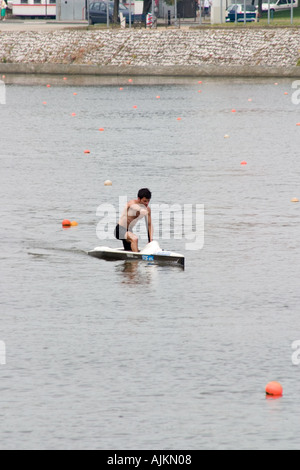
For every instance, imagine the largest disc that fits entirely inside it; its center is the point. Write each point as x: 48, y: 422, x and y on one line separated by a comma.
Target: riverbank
x: 218, y: 52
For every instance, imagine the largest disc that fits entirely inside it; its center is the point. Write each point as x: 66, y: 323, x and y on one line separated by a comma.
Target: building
x: 71, y: 10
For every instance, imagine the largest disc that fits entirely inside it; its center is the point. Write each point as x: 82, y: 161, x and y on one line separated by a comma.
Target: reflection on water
x: 133, y: 273
x: 115, y: 355
x: 137, y: 273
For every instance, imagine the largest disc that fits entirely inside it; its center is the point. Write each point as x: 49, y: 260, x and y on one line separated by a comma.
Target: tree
x: 116, y: 11
x: 260, y: 2
x: 147, y: 7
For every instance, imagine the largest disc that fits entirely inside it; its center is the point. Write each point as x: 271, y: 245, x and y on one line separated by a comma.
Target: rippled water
x: 110, y: 355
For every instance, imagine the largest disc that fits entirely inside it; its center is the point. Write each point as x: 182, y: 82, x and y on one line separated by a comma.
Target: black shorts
x: 120, y: 234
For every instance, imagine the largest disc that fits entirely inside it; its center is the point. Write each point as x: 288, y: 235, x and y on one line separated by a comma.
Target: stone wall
x: 154, y: 48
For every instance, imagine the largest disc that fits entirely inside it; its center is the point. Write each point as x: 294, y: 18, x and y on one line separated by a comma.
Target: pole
x: 245, y: 14
x: 269, y: 11
x: 107, y: 14
x: 175, y: 12
x: 200, y: 12
x: 292, y: 11
x: 130, y: 17
x: 153, y: 13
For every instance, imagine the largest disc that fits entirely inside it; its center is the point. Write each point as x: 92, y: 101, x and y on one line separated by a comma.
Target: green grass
x: 282, y: 18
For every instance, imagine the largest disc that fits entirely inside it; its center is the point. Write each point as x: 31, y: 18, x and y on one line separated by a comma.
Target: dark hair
x: 144, y: 193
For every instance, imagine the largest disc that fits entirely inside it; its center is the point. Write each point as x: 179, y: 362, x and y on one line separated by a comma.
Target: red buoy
x: 274, y: 389
x: 66, y: 223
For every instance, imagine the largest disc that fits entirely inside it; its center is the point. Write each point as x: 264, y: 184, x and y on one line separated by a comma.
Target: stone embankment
x: 181, y: 50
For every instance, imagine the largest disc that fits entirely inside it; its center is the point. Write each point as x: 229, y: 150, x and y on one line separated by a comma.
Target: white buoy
x: 107, y: 183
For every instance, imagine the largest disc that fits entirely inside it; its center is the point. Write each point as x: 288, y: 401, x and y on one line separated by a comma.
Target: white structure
x: 136, y: 6
x: 71, y: 10
x: 218, y: 12
x: 62, y: 10
x: 34, y: 8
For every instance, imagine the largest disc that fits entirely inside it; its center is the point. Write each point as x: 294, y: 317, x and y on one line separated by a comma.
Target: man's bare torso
x: 133, y: 212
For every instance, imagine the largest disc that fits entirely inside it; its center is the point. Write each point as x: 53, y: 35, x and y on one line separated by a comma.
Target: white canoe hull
x: 161, y: 257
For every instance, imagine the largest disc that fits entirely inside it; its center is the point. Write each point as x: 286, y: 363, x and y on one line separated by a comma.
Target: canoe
x: 152, y: 253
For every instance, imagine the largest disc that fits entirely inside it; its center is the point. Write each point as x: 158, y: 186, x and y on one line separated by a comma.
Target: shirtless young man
x: 134, y: 211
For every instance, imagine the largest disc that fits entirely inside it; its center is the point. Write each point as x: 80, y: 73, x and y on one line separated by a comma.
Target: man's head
x: 144, y: 196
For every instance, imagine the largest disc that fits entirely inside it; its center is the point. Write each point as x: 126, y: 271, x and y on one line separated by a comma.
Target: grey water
x: 111, y: 355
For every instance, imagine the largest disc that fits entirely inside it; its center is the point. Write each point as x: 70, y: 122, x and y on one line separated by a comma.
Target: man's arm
x: 150, y: 226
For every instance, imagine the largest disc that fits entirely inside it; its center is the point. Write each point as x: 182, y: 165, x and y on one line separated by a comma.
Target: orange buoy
x: 295, y: 199
x: 74, y: 223
x: 244, y: 163
x: 44, y: 102
x: 286, y: 93
x: 65, y: 78
x: 298, y: 124
x: 48, y: 86
x: 130, y: 80
x: 108, y: 183
x: 158, y: 97
x: 101, y: 129
x: 199, y: 91
x: 134, y: 107
x: 274, y: 389
x: 66, y: 223
x: 121, y: 89
x: 200, y: 83
x: 233, y: 110
x: 87, y: 151
x: 73, y: 114
x: 178, y: 119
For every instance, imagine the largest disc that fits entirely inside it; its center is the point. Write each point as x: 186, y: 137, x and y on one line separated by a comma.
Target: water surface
x: 121, y: 356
